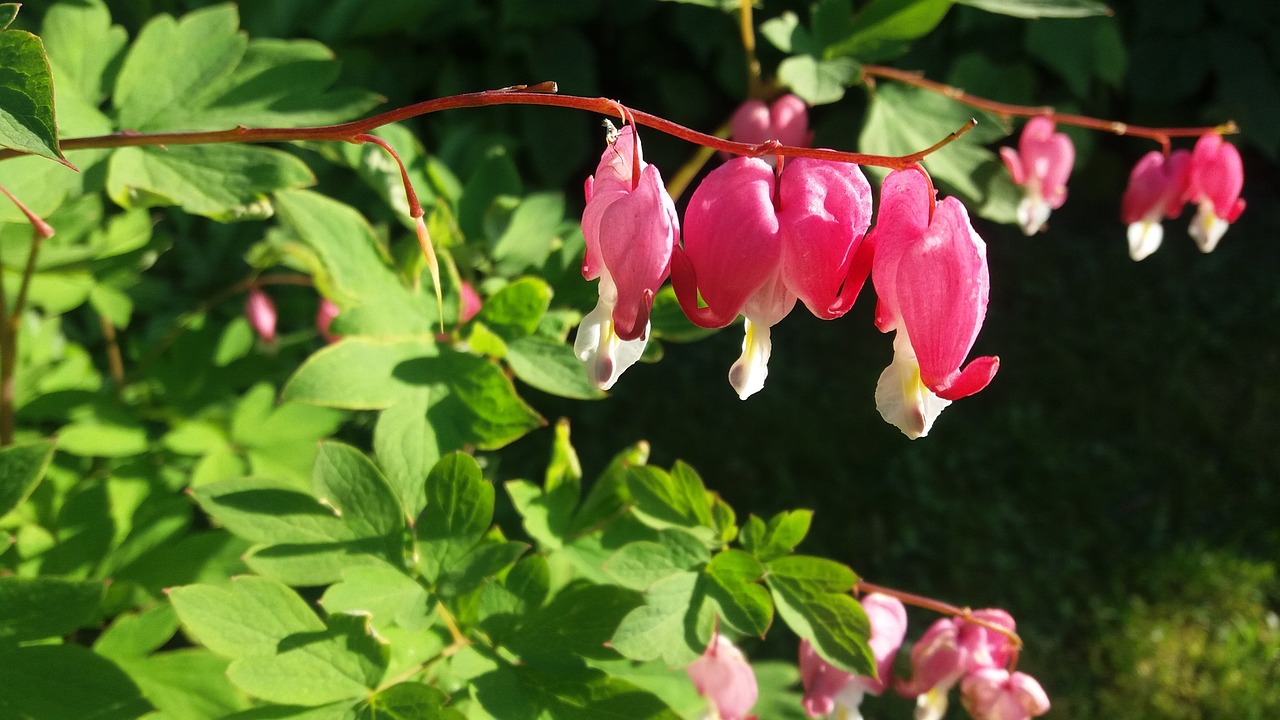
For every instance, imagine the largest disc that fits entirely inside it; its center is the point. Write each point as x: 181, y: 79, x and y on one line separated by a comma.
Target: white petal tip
x: 748, y: 374
x: 1144, y: 238
x: 1207, y: 228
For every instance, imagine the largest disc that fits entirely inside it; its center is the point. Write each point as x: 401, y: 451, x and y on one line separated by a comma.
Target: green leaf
x: 85, y: 46
x: 550, y: 366
x: 93, y: 438
x: 44, y: 607
x: 527, y: 693
x: 66, y: 681
x: 408, y: 701
x: 26, y: 97
x: 353, y: 270
x: 280, y: 650
x: 788, y: 35
x: 514, y: 311
x: 527, y: 240
x: 1079, y: 51
x: 783, y: 533
x: 813, y: 596
x: 152, y: 91
x: 8, y: 11
x: 262, y: 512
x: 577, y: 622
x: 735, y: 587
x: 407, y: 447
x: 638, y: 565
x: 818, y: 82
x: 358, y: 373
x: 885, y: 28
x: 21, y: 468
x: 496, y: 176
x: 903, y: 120
x: 675, y: 499
x: 186, y: 683
x: 135, y: 635
x: 1031, y: 9
x: 349, y: 482
x: 484, y: 561
x: 459, y: 510
x: 384, y: 593
x: 222, y: 182
x: 673, y: 625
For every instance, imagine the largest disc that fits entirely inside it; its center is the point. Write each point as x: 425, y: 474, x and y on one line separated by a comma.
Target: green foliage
x: 26, y: 87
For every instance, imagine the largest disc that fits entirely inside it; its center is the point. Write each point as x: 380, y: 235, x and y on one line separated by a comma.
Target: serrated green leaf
x: 44, y: 607
x: 152, y: 91
x: 351, y: 484
x: 222, y: 182
x: 782, y: 534
x: 818, y: 82
x: 66, y: 681
x: 884, y: 29
x: 1031, y: 9
x: 26, y: 97
x: 22, y: 466
x: 550, y: 366
x: 813, y: 596
x: 82, y: 42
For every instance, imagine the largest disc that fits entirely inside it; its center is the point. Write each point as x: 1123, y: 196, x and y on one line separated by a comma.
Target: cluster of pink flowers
x: 1210, y: 177
x: 968, y: 652
x: 758, y: 238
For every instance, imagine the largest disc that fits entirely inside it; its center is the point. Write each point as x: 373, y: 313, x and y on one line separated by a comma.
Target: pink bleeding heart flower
x: 755, y: 242
x: 827, y: 688
x: 261, y: 313
x: 630, y: 226
x: 325, y: 313
x: 1215, y: 176
x: 930, y: 274
x: 949, y: 650
x: 1156, y: 190
x: 786, y: 120
x: 997, y: 694
x: 1041, y: 165
x: 723, y: 676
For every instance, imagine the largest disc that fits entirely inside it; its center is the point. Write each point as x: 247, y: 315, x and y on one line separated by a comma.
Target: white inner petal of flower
x: 901, y: 397
x: 752, y: 367
x: 1145, y: 236
x: 1206, y: 227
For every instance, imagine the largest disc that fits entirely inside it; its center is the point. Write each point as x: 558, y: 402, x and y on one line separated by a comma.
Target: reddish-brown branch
x: 541, y: 94
x: 943, y: 608
x: 1007, y: 110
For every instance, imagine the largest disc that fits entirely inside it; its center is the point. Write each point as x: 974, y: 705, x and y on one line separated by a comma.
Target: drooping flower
x: 786, y: 120
x: 630, y: 226
x: 325, y: 313
x: 1041, y: 165
x: 754, y: 243
x: 997, y: 694
x: 827, y: 688
x: 261, y: 313
x: 1215, y: 176
x: 949, y: 650
x: 1156, y: 190
x: 724, y: 677
x: 930, y: 274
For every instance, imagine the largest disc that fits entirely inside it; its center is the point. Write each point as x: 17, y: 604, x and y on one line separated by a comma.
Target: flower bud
x: 261, y: 313
x: 723, y: 676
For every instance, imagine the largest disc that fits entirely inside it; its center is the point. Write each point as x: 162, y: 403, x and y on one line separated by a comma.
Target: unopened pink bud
x: 995, y: 694
x: 723, y: 676
x: 261, y: 313
x: 325, y: 314
x: 470, y: 303
x: 786, y: 120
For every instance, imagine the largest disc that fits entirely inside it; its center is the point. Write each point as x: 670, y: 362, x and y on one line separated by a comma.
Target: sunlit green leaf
x: 26, y: 96
x: 21, y: 468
